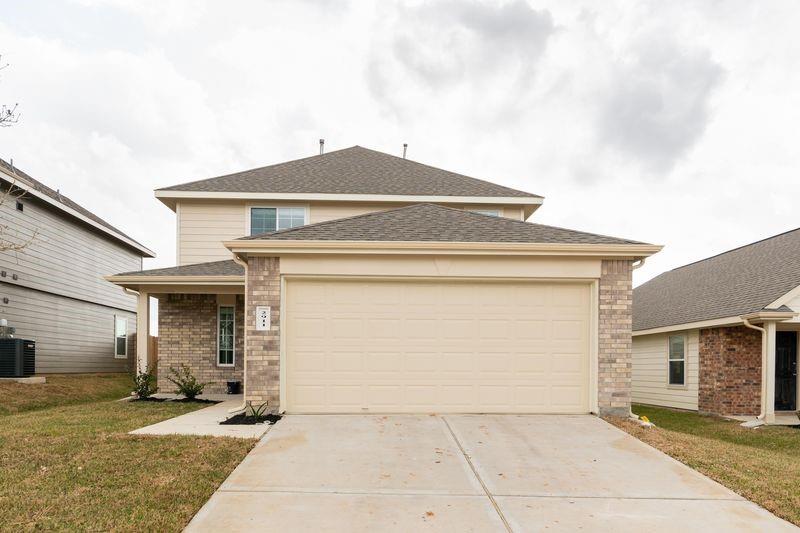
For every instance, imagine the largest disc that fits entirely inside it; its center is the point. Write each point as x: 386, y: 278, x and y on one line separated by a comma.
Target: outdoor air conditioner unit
x: 17, y: 358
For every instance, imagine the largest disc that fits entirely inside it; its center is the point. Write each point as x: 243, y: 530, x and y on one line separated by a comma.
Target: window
x: 20, y: 207
x: 677, y: 360
x: 120, y: 337
x: 264, y: 219
x: 225, y: 322
x: 490, y: 212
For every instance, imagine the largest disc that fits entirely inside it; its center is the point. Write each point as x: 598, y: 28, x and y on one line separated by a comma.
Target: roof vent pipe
x: 321, y: 146
x: 405, y: 147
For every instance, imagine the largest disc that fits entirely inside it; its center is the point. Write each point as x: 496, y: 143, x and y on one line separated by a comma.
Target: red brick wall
x: 730, y: 371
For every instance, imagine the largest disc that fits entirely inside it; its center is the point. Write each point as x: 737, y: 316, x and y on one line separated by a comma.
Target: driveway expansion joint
x: 478, y: 477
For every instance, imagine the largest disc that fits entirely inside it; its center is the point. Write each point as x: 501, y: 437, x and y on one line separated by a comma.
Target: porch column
x: 769, y: 408
x: 142, y: 330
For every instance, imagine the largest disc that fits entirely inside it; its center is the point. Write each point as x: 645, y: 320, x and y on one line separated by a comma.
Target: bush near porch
x: 74, y: 467
x: 763, y: 465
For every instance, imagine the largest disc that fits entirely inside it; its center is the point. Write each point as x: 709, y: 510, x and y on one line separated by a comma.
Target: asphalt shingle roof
x: 37, y: 185
x: 215, y: 268
x: 435, y: 223
x: 734, y: 283
x: 354, y: 170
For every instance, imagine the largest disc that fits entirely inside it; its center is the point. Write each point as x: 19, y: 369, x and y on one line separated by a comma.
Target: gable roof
x: 435, y: 223
x: 734, y: 283
x: 22, y: 180
x: 355, y: 170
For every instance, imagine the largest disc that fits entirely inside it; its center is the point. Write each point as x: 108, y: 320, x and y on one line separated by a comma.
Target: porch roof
x: 201, y: 276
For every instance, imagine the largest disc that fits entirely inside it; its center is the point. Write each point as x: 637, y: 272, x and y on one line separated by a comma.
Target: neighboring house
x: 692, y: 346
x: 357, y: 281
x: 53, y: 291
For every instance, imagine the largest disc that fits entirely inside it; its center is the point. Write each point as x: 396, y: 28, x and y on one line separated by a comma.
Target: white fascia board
x: 284, y: 247
x: 515, y: 200
x: 727, y: 321
x: 18, y: 183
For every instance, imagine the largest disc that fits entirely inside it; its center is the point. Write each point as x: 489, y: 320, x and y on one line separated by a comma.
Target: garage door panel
x: 417, y: 346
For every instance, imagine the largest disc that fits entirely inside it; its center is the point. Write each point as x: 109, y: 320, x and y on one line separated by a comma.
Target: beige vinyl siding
x: 66, y: 257
x: 649, y: 375
x: 204, y: 224
x: 70, y: 335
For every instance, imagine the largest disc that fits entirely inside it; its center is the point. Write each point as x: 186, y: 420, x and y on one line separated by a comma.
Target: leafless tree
x: 8, y: 114
x: 10, y: 238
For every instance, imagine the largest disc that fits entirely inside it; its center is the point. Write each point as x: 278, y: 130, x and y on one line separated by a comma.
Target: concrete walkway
x: 206, y: 422
x: 468, y: 473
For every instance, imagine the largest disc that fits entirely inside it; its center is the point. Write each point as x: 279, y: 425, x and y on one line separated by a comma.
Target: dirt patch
x: 247, y: 420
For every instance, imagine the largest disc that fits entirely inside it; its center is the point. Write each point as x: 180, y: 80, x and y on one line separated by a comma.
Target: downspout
x: 239, y: 261
x: 763, y: 366
x: 634, y: 266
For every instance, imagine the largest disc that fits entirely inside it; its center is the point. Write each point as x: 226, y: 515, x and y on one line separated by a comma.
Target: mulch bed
x: 247, y: 420
x: 180, y: 400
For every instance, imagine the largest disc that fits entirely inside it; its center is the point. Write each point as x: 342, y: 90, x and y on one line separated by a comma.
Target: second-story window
x: 264, y: 219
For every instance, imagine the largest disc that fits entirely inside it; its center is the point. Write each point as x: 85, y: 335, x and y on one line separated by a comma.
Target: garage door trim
x: 593, y: 316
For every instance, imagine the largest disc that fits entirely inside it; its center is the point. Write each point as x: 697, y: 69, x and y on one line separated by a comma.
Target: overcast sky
x: 673, y: 123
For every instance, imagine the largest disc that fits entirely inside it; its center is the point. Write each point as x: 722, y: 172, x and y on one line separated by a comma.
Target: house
x: 52, y: 289
x: 360, y: 282
x: 720, y: 335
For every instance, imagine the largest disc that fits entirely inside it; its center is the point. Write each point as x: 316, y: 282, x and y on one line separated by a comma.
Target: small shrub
x: 144, y: 384
x: 257, y: 411
x: 186, y: 382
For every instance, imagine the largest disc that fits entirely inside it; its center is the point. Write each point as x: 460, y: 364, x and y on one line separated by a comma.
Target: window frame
x: 276, y: 207
x: 233, y: 335
x: 118, y: 320
x: 488, y: 212
x: 685, y: 340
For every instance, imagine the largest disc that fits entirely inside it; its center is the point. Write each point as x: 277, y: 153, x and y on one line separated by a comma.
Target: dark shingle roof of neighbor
x: 57, y: 196
x: 354, y: 170
x: 435, y: 223
x: 215, y: 268
x: 740, y: 281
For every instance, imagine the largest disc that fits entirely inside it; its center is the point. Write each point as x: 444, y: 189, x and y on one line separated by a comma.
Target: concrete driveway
x: 468, y: 473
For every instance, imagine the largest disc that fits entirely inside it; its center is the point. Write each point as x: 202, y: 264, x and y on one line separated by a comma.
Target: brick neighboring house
x: 720, y: 336
x: 360, y: 282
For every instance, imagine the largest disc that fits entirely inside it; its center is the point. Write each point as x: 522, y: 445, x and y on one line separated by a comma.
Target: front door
x: 786, y: 371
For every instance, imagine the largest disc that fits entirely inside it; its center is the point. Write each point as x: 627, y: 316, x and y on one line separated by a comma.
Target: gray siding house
x: 53, y: 290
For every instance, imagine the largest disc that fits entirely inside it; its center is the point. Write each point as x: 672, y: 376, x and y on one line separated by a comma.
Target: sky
x: 672, y: 123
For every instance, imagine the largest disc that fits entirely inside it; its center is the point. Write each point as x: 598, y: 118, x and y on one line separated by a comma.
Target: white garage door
x: 358, y: 346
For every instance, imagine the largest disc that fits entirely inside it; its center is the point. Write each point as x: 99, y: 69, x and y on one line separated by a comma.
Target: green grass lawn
x: 763, y: 465
x: 63, y: 389
x: 75, y: 467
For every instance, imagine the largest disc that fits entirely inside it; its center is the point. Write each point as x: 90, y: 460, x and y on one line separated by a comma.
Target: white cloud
x: 666, y: 122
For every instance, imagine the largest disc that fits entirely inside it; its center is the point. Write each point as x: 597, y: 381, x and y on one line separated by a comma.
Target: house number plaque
x: 263, y: 315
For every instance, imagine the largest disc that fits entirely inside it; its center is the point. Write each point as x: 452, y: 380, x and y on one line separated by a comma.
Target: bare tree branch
x: 10, y: 239
x: 8, y: 114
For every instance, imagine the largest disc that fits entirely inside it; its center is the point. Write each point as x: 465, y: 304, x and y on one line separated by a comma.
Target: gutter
x: 238, y: 260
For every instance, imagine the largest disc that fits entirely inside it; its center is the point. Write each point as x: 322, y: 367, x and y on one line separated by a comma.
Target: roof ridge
x: 260, y: 168
x: 729, y: 251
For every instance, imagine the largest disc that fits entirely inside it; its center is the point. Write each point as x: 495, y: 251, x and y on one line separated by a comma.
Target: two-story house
x: 51, y: 279
x: 356, y: 281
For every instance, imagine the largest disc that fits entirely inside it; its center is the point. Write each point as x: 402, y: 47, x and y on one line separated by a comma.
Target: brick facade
x: 730, y: 371
x: 263, y: 287
x: 187, y: 334
x: 614, y: 338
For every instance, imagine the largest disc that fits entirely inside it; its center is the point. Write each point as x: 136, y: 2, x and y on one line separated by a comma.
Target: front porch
x: 749, y: 372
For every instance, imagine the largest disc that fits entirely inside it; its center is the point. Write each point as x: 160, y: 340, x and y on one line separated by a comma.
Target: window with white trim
x: 225, y: 335
x: 266, y: 219
x: 120, y: 337
x: 677, y: 360
x: 490, y: 212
